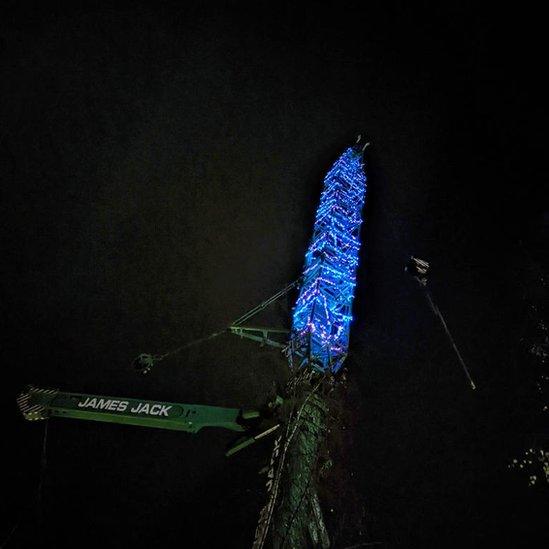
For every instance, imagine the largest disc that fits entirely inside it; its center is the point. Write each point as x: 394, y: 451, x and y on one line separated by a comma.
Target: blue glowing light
x: 322, y: 313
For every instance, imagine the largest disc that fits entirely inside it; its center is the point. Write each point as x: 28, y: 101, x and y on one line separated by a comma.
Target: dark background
x: 161, y: 165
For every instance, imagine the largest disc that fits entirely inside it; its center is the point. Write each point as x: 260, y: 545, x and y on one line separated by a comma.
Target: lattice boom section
x: 322, y: 313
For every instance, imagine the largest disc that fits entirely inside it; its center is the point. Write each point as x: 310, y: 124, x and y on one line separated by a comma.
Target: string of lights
x: 323, y: 311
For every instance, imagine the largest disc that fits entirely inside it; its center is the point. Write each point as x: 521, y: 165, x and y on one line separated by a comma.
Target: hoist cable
x: 437, y: 312
x: 398, y: 239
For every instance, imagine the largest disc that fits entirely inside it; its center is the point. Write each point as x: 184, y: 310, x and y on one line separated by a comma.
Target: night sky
x: 161, y: 165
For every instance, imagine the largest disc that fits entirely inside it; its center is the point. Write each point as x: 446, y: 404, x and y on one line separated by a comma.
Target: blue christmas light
x: 322, y: 313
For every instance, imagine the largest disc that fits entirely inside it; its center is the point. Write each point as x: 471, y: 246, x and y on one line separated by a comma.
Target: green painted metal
x: 36, y: 404
x: 298, y: 520
x: 292, y: 516
x: 250, y: 332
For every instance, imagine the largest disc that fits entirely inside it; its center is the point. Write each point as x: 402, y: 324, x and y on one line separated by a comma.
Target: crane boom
x: 36, y: 404
x: 323, y: 311
x: 319, y: 342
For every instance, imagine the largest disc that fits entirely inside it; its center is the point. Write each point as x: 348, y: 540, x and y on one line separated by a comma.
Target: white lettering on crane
x: 164, y: 411
x: 146, y: 408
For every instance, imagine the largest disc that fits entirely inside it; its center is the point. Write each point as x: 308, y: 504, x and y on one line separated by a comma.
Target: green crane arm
x: 36, y: 404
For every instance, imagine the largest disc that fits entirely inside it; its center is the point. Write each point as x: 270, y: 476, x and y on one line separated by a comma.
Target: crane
x: 315, y: 347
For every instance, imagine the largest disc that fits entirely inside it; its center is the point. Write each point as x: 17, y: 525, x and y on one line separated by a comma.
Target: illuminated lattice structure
x: 322, y: 313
